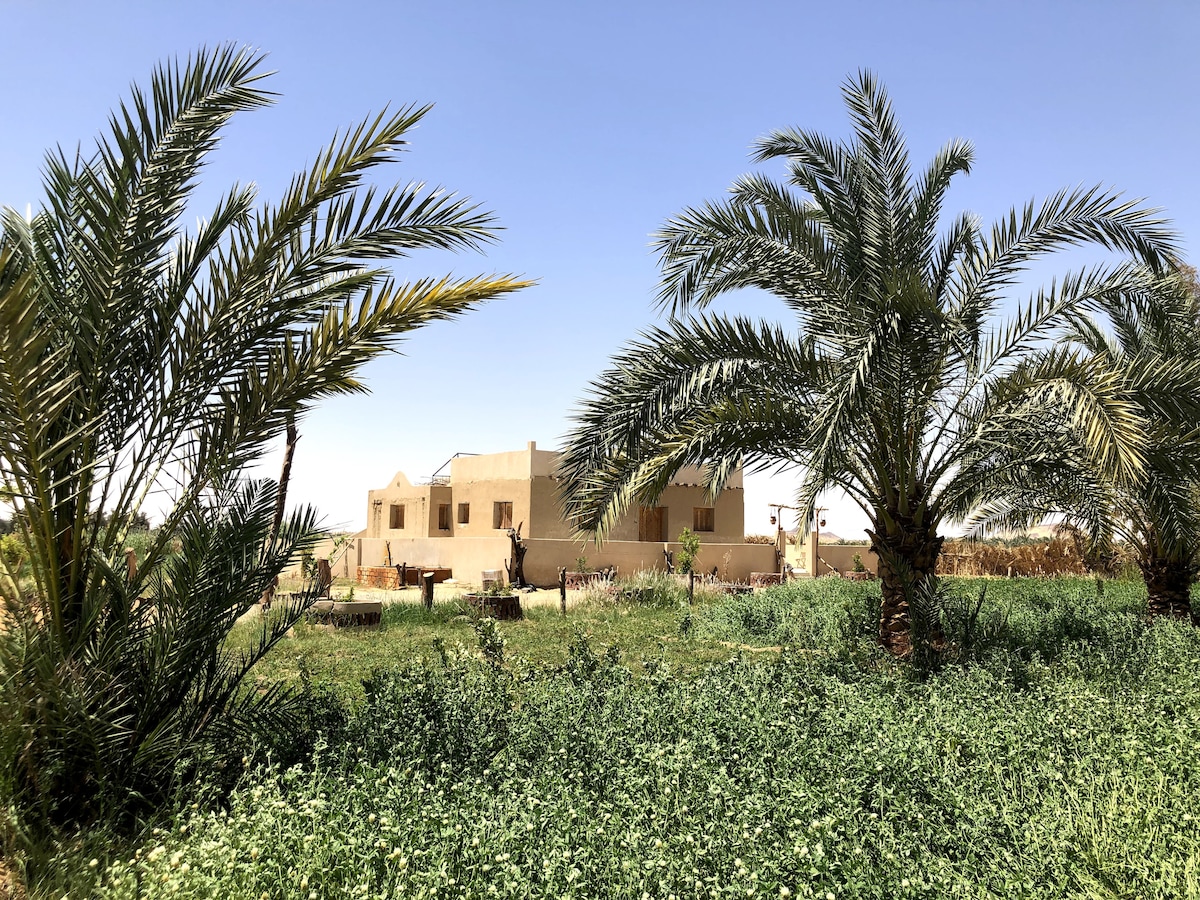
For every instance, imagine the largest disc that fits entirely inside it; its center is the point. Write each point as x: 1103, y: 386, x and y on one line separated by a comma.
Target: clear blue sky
x: 584, y: 126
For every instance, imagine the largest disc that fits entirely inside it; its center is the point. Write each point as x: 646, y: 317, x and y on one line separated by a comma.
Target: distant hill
x: 825, y: 536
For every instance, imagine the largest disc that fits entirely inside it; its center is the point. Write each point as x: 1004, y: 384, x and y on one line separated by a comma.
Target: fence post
x: 691, y: 587
x: 562, y: 590
x: 427, y: 589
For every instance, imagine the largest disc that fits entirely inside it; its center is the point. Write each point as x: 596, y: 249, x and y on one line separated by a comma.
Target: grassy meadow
x: 752, y: 746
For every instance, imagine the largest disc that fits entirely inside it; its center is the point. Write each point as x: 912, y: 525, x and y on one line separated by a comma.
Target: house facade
x: 462, y: 523
x: 488, y: 494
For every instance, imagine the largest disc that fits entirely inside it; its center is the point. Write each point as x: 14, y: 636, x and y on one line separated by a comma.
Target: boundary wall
x: 468, y: 558
x: 822, y: 559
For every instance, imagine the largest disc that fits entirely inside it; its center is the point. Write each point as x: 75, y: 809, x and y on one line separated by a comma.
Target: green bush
x: 689, y: 547
x: 651, y: 588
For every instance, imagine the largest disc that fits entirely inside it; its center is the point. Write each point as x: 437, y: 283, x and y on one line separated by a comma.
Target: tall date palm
x: 898, y: 379
x: 141, y: 362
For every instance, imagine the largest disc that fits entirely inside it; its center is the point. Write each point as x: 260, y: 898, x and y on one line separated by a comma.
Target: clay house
x: 461, y: 523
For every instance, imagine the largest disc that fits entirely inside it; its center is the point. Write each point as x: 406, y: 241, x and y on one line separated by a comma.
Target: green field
x: 752, y: 746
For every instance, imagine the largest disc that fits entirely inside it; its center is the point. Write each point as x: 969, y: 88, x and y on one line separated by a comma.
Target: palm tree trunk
x: 285, y: 475
x: 907, y: 559
x: 1169, y: 587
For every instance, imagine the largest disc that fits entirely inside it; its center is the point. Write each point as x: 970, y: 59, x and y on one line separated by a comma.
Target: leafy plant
x: 581, y: 565
x: 858, y: 563
x: 689, y: 547
x: 490, y: 639
x: 496, y: 588
x: 141, y: 360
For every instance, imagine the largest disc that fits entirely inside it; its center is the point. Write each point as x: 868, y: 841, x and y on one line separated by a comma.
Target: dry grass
x: 1058, y: 556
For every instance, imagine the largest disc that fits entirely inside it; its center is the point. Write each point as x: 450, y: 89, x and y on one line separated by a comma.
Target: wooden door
x: 652, y: 523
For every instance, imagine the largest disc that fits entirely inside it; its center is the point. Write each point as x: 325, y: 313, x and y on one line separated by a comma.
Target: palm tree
x: 139, y: 362
x: 897, y: 385
x: 1150, y: 347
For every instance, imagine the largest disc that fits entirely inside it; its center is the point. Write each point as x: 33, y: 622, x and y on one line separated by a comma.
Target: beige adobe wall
x: 341, y: 566
x: 545, y: 516
x: 420, y: 508
x: 482, y: 497
x: 729, y: 522
x: 681, y: 498
x: 839, y: 556
x: 514, y: 465
x: 526, y: 479
x: 545, y: 557
x: 466, y: 558
x: 439, y: 494
x: 679, y: 501
x: 515, y: 477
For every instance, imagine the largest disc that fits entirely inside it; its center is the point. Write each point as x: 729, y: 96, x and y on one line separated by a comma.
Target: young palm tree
x: 896, y: 381
x: 140, y: 361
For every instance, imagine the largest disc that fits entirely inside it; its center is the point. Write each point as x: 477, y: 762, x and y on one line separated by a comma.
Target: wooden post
x: 403, y: 575
x: 691, y: 587
x: 562, y: 590
x: 427, y: 589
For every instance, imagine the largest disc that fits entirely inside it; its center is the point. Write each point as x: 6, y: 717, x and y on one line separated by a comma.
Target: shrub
x: 689, y: 547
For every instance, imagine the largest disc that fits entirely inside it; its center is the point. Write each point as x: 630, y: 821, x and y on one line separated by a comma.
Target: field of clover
x: 1057, y: 758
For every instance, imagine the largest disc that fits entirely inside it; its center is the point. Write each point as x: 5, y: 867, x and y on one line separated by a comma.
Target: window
x: 443, y: 517
x: 502, y: 514
x: 396, y: 516
x: 464, y: 513
x: 702, y: 518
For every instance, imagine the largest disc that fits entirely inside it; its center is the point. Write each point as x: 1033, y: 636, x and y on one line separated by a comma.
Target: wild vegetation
x: 1061, y: 762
